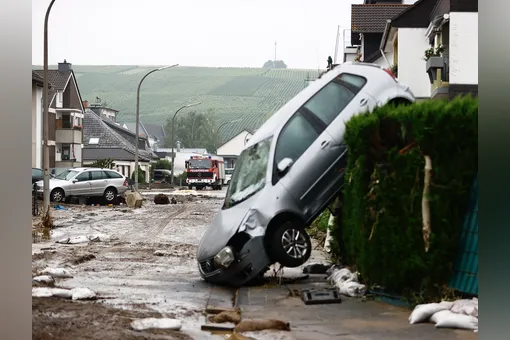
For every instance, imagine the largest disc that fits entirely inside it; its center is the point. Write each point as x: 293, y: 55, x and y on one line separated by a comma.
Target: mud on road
x: 141, y: 265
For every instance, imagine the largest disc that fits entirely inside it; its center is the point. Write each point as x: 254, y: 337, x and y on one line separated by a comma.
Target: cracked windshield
x: 250, y: 173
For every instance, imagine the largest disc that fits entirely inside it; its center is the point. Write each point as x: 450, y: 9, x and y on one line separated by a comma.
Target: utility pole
x: 137, y: 128
x: 46, y: 129
x: 336, y: 45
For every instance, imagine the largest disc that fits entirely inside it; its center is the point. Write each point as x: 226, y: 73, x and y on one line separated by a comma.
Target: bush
x: 381, y: 225
x: 141, y: 175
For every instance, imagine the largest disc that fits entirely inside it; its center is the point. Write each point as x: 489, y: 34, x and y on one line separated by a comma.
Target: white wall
x: 408, y: 2
x: 382, y: 62
x: 180, y: 161
x: 412, y: 44
x: 36, y: 126
x: 463, y: 48
x: 235, y: 145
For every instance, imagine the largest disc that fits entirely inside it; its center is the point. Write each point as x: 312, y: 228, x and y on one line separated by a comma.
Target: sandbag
x: 422, y: 313
x: 449, y: 319
x: 153, y: 323
x: 82, y: 294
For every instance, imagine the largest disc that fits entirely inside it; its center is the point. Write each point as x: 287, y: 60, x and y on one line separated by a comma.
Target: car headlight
x: 225, y: 257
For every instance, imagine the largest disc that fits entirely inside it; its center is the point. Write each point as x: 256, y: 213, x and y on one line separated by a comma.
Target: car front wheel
x: 57, y: 195
x: 110, y: 194
x: 290, y: 245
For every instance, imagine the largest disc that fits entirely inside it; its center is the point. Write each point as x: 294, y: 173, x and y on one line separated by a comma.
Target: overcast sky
x: 237, y: 33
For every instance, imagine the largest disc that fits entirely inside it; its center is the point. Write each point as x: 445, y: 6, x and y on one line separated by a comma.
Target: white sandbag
x: 352, y: 289
x: 422, y: 313
x: 153, y: 323
x: 448, y: 319
x: 74, y: 240
x: 342, y: 275
x: 82, y: 294
x: 43, y: 279
x: 57, y: 272
x: 466, y: 307
x: 327, y: 242
x: 41, y: 292
x: 61, y: 293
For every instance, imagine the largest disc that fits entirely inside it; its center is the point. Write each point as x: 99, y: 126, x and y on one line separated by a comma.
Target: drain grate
x: 320, y: 297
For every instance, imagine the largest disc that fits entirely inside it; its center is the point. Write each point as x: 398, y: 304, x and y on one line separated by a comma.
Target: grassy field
x: 226, y: 93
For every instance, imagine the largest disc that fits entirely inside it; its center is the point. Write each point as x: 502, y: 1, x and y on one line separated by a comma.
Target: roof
x: 155, y: 130
x: 36, y: 78
x: 372, y: 18
x: 111, y: 144
x: 57, y: 79
x: 245, y: 131
x: 416, y: 16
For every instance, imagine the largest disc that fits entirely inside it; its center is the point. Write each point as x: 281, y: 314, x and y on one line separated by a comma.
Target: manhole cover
x: 319, y: 297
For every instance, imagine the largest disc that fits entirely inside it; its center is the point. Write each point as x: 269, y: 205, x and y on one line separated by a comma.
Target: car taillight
x: 390, y: 73
x: 125, y: 182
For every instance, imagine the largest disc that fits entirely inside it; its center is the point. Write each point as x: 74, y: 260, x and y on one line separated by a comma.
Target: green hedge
x: 380, y: 231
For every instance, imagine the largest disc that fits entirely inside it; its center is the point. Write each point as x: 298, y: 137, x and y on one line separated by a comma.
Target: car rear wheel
x: 57, y: 195
x: 290, y: 245
x: 110, y: 194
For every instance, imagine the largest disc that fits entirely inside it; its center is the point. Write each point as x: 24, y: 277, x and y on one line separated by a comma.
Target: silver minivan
x: 289, y: 172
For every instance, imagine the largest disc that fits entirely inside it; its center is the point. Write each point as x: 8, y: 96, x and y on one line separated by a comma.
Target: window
x: 37, y: 173
x: 111, y: 174
x: 66, y: 121
x: 330, y: 101
x: 66, y: 152
x: 97, y: 175
x: 83, y: 177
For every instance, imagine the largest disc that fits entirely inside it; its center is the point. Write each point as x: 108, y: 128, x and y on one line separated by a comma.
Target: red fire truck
x: 205, y: 170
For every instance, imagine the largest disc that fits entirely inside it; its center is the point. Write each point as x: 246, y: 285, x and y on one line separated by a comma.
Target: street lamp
x: 218, y: 130
x: 173, y: 135
x: 46, y: 128
x: 138, y: 120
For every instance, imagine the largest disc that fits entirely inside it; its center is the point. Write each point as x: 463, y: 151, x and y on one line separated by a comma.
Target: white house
x: 448, y: 30
x: 181, y: 156
x: 231, y: 150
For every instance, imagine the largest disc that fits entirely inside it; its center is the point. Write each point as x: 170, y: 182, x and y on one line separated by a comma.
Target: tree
x: 195, y: 130
x: 103, y: 163
x: 274, y: 64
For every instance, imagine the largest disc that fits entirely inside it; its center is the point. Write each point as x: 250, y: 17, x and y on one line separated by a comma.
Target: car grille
x: 207, y: 266
x: 198, y: 175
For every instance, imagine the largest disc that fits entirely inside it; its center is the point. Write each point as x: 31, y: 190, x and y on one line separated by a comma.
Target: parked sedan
x: 88, y: 182
x: 37, y: 175
x: 289, y: 172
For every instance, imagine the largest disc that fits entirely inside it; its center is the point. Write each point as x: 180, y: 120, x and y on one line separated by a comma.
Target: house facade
x: 37, y: 117
x: 105, y: 139
x: 231, y: 150
x: 155, y: 133
x: 431, y: 45
x: 65, y: 117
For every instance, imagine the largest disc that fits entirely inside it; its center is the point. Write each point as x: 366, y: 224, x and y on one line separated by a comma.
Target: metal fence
x: 35, y: 208
x: 465, y: 278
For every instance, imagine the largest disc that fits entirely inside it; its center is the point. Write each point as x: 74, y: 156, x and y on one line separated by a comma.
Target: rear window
x: 112, y: 174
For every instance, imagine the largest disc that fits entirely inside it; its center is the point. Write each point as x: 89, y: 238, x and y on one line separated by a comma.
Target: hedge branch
x: 425, y: 207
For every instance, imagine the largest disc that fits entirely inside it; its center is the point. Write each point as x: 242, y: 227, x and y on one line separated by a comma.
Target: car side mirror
x: 284, y: 166
x: 74, y: 180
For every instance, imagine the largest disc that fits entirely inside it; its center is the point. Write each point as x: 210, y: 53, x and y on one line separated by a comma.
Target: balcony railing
x: 437, y: 69
x: 68, y: 136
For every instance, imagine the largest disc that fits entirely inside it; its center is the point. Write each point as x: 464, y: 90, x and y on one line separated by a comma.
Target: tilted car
x: 289, y: 172
x: 88, y: 182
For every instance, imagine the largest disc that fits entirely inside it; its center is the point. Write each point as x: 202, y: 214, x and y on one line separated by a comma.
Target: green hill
x: 251, y: 94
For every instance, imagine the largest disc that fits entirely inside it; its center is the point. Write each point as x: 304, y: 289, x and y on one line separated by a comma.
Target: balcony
x: 68, y: 136
x: 67, y: 164
x: 437, y: 69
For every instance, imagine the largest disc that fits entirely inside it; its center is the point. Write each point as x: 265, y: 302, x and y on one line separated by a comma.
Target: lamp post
x: 218, y: 131
x: 46, y: 128
x: 173, y: 136
x: 138, y: 120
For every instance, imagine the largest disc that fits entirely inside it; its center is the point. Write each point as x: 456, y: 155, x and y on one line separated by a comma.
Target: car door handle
x: 363, y: 102
x: 324, y: 144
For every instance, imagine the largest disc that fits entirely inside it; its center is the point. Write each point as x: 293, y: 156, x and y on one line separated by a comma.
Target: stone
x: 161, y: 199
x: 134, y: 199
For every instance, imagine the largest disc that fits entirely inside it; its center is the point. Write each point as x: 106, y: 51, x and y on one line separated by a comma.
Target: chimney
x: 85, y: 104
x: 64, y: 67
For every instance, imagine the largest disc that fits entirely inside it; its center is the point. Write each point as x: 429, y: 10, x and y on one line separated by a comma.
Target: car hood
x: 53, y: 183
x: 223, y: 226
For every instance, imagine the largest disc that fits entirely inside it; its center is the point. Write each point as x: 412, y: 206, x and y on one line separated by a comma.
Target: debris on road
x: 154, y: 323
x: 83, y: 239
x: 161, y: 199
x: 253, y: 325
x: 44, y: 279
x: 320, y: 296
x: 57, y: 272
x: 134, y: 199
x: 316, y: 268
x: 231, y: 316
x: 74, y: 294
x: 83, y: 259
x: 347, y: 282
x: 82, y: 294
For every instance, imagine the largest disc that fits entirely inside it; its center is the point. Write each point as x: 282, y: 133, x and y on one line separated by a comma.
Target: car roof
x: 280, y: 117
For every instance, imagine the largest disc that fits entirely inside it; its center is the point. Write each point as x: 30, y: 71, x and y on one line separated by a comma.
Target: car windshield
x: 199, y: 163
x: 229, y: 171
x: 66, y: 175
x: 250, y: 173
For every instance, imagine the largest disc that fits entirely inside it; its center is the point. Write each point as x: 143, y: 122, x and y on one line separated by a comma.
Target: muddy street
x: 139, y: 262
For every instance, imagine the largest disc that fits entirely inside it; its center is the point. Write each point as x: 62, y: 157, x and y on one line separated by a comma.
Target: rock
x: 173, y: 201
x: 134, y: 199
x: 161, y: 199
x: 153, y: 323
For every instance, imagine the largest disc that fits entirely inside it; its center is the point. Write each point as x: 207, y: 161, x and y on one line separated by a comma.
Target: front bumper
x: 200, y: 181
x: 249, y: 263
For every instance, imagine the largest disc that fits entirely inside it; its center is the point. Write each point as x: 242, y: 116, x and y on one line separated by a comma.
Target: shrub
x: 141, y: 175
x: 381, y: 225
